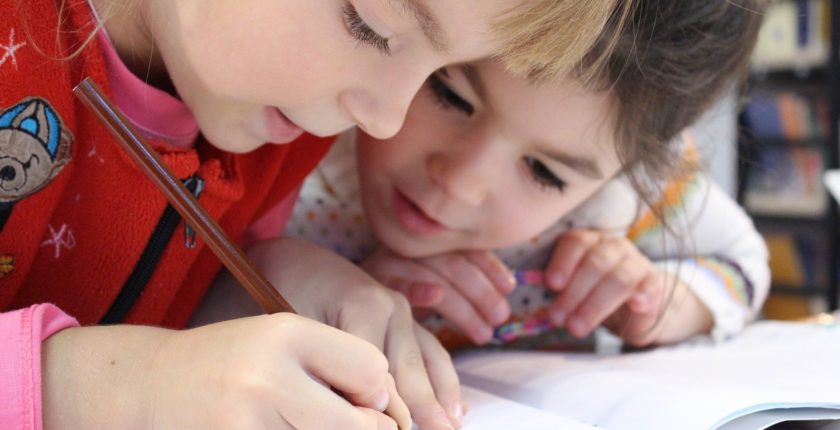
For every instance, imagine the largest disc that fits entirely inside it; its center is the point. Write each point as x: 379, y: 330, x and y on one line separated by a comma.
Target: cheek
x: 521, y: 219
x: 262, y: 53
x: 254, y: 75
x: 403, y: 154
x: 374, y: 157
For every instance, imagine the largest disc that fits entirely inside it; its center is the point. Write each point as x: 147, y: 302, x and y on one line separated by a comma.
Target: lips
x: 413, y: 218
x: 279, y: 128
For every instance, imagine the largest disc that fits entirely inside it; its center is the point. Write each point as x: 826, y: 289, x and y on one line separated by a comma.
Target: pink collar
x: 156, y: 114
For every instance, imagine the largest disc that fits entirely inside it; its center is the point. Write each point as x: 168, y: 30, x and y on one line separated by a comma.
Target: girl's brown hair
x: 672, y: 60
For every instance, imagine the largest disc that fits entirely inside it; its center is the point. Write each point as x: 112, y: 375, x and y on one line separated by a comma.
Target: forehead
x: 467, y: 25
x: 558, y: 112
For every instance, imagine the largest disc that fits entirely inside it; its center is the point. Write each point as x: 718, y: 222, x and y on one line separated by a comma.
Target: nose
x: 7, y: 173
x: 380, y: 106
x: 466, y: 174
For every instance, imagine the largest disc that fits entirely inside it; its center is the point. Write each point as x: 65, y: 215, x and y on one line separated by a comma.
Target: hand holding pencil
x: 262, y: 372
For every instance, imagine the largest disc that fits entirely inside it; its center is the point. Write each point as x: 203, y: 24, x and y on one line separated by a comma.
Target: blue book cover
x: 803, y: 17
x: 762, y: 116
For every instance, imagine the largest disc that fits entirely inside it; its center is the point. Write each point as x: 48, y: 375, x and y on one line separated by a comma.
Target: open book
x: 773, y: 373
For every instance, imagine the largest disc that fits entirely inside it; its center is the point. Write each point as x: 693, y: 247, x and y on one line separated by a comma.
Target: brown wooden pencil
x: 182, y: 200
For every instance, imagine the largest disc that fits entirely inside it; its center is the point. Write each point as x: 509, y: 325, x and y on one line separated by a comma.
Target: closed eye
x: 543, y: 176
x: 447, y: 97
x: 28, y: 163
x: 360, y: 30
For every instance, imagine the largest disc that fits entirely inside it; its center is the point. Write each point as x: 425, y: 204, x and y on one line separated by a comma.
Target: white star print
x: 58, y: 240
x: 93, y: 153
x: 10, y: 49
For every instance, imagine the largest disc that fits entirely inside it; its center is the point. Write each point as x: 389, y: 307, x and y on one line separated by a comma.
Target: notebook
x: 774, y: 375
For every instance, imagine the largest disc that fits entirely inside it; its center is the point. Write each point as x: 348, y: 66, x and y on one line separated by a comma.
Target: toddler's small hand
x: 598, y: 277
x: 468, y: 288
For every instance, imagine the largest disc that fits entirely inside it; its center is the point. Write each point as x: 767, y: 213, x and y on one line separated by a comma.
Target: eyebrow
x: 428, y: 23
x: 583, y: 165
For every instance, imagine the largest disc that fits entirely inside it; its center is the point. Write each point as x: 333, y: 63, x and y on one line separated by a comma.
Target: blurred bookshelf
x: 788, y: 139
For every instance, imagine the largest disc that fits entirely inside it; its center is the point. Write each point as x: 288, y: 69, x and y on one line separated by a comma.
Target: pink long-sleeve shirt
x: 23, y: 331
x: 21, y: 334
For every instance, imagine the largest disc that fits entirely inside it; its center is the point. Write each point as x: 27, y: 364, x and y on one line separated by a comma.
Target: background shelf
x: 789, y: 138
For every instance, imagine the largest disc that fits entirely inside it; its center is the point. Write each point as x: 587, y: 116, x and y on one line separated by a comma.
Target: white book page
x: 696, y: 386
x: 489, y: 412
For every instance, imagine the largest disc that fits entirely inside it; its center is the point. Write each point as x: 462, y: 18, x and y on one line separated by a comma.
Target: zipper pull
x: 196, y: 185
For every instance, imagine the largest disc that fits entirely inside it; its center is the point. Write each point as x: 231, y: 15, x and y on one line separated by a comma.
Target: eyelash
x: 447, y: 98
x: 359, y: 29
x: 543, y: 176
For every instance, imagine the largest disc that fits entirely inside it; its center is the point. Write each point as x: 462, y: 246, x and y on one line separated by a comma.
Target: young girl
x: 209, y: 83
x: 563, y: 171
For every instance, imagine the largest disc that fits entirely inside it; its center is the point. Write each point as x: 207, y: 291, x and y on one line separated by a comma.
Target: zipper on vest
x: 189, y: 233
x: 149, y: 259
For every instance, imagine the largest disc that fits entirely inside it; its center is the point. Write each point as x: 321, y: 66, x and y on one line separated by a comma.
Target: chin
x: 239, y: 144
x: 409, y: 248
x: 233, y: 149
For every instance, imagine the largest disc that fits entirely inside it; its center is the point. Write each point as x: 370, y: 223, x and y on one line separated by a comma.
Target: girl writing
x: 230, y: 94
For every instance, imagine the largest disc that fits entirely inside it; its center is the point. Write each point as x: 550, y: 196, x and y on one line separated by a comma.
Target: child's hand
x: 265, y: 372
x: 680, y: 316
x: 603, y: 278
x: 324, y: 286
x: 467, y: 288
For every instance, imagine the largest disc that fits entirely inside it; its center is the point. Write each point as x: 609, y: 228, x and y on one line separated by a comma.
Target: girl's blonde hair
x: 541, y: 39
x: 546, y: 39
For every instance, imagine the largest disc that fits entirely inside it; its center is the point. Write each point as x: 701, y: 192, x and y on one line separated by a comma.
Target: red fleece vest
x: 76, y: 213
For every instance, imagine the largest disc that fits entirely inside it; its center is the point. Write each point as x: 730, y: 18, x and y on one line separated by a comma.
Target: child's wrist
x: 685, y: 316
x: 98, y: 377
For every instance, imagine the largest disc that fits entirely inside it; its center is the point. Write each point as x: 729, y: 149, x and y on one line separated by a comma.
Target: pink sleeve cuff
x: 21, y: 334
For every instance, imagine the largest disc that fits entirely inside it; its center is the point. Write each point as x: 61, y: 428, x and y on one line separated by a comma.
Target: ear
x: 64, y: 152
